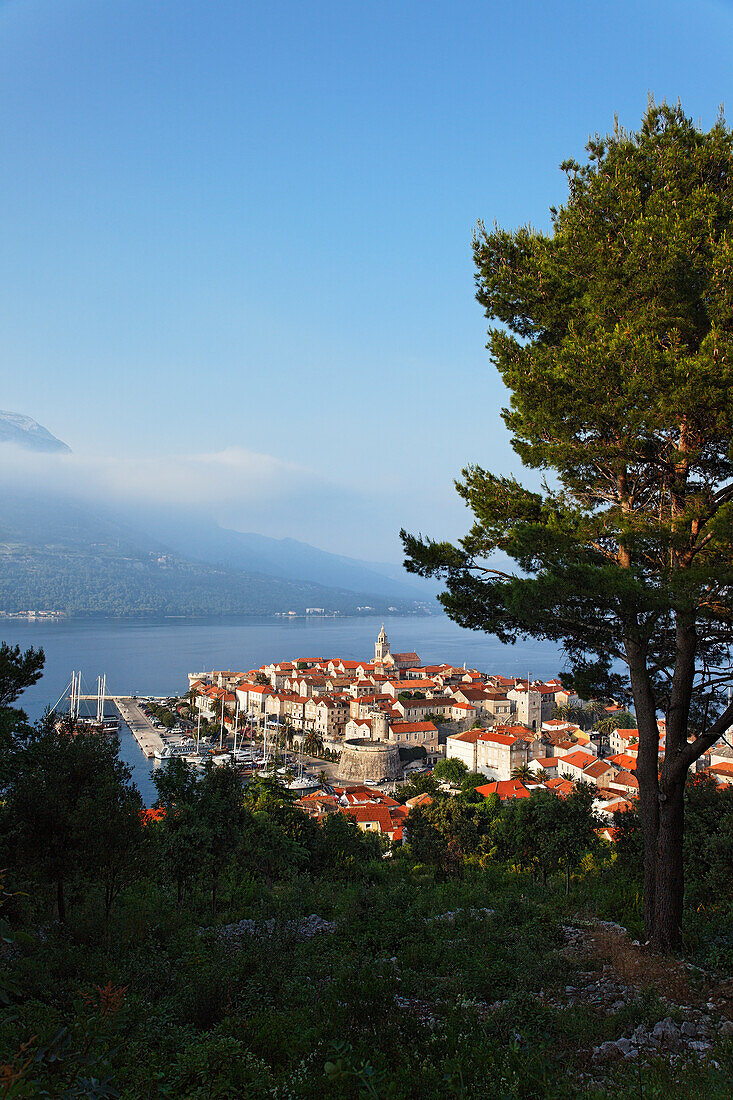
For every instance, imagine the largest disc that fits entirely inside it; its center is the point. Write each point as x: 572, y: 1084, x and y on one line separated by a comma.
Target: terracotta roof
x: 620, y: 806
x: 546, y: 761
x: 423, y: 799
x: 505, y: 788
x: 724, y: 768
x: 597, y: 768
x: 578, y: 759
x: 498, y: 738
x: 364, y: 814
x: 559, y: 786
x: 623, y: 760
x: 624, y: 779
x: 469, y: 736
x: 414, y: 727
x: 470, y: 692
x: 149, y: 816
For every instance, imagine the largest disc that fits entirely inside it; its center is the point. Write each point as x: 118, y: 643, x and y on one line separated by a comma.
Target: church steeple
x: 381, y: 647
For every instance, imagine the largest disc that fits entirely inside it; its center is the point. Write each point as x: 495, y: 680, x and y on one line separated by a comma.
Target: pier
x: 143, y: 730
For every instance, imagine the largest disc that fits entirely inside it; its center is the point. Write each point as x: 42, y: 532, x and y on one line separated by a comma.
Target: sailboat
x: 302, y: 784
x: 100, y: 723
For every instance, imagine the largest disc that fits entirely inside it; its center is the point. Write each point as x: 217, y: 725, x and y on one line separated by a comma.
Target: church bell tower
x: 381, y: 647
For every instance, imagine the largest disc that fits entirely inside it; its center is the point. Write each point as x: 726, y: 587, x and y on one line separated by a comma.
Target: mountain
x: 71, y: 557
x: 287, y: 559
x: 66, y: 554
x: 28, y: 433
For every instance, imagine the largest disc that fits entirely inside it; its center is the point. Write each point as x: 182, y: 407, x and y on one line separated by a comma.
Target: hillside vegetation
x: 226, y: 945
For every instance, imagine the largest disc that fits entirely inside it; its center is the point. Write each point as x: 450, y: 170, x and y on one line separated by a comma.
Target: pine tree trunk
x: 60, y: 899
x: 647, y: 768
x: 666, y: 928
x: 649, y: 816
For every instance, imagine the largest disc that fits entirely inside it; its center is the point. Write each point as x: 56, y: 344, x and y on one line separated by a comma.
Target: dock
x: 139, y: 724
x: 141, y: 727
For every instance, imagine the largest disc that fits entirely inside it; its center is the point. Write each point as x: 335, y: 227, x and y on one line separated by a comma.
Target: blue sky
x: 236, y: 236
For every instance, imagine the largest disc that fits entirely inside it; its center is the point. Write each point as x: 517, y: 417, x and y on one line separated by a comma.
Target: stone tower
x: 380, y: 725
x: 381, y: 647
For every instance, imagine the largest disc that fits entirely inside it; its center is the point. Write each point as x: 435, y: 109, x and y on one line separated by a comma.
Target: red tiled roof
x: 623, y: 760
x: 724, y: 768
x: 559, y: 786
x: 423, y: 799
x: 620, y: 806
x: 596, y: 769
x: 498, y: 738
x: 505, y: 788
x: 624, y: 779
x: 578, y: 759
x: 149, y: 816
x: 469, y: 736
x: 364, y: 814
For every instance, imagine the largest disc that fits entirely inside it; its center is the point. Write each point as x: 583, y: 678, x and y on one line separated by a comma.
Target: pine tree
x: 614, y: 336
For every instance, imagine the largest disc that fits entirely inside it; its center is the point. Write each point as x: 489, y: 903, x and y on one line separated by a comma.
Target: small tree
x: 622, y: 720
x: 470, y: 782
x: 313, y: 743
x: 452, y: 770
x: 74, y: 812
x: 422, y: 783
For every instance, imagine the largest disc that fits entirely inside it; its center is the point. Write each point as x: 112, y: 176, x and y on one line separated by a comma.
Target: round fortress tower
x: 369, y: 762
x: 372, y: 760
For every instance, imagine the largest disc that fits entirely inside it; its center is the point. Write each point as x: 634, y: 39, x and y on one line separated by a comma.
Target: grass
x: 394, y: 1004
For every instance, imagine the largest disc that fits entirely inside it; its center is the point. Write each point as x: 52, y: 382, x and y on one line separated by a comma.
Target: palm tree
x: 541, y: 775
x: 323, y: 776
x: 313, y: 743
x: 523, y: 772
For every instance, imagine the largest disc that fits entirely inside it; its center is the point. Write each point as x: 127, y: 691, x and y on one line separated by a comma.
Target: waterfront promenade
x: 139, y: 724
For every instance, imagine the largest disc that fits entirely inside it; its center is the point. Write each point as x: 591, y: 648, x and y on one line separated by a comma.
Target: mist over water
x: 154, y: 657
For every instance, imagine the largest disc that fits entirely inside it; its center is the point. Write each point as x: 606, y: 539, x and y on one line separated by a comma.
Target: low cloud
x: 233, y: 488
x: 234, y: 474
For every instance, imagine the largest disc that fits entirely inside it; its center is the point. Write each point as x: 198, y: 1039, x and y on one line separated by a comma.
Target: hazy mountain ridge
x: 99, y: 583
x: 64, y: 555
x: 26, y: 432
x: 289, y: 558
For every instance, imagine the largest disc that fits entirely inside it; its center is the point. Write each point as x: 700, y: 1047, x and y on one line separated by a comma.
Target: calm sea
x: 154, y: 657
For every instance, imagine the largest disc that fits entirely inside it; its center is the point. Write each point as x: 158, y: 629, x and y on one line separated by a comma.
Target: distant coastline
x: 45, y: 617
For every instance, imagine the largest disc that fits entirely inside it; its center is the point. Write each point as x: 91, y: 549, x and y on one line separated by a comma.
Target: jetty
x: 142, y: 729
x: 140, y: 725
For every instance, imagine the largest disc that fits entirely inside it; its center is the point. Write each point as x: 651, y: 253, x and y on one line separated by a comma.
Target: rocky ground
x: 615, y: 973
x: 613, y: 976
x: 235, y: 935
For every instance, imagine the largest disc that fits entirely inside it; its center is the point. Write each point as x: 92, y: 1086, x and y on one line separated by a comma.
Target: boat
x: 303, y: 784
x: 168, y: 752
